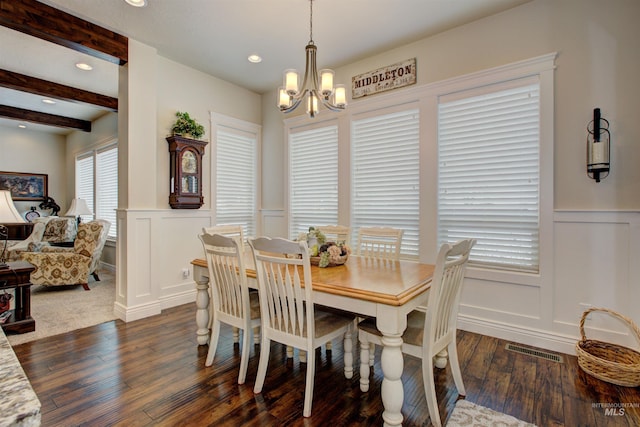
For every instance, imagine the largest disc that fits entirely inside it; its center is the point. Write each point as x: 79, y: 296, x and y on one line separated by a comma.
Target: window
x: 488, y: 173
x: 236, y: 154
x: 313, y: 178
x: 385, y: 175
x: 97, y: 183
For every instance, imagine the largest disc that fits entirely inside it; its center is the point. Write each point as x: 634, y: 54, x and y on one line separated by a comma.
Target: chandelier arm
x: 330, y: 106
x: 297, y: 99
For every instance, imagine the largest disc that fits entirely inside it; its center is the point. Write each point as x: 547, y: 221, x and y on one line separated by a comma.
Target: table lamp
x: 8, y: 214
x: 78, y: 207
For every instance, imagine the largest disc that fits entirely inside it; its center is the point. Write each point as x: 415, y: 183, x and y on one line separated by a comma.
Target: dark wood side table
x: 17, y: 277
x: 19, y: 231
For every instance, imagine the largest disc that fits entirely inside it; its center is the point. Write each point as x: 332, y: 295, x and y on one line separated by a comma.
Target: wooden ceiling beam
x: 48, y: 23
x: 24, y: 83
x: 44, y: 118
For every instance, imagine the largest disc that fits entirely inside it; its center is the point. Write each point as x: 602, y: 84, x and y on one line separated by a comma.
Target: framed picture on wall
x: 24, y: 186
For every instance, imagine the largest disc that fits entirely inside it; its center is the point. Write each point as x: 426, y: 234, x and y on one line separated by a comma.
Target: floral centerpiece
x: 323, y: 253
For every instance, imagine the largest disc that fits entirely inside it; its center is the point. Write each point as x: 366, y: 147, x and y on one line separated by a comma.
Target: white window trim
x: 92, y: 152
x: 427, y: 97
x: 220, y: 120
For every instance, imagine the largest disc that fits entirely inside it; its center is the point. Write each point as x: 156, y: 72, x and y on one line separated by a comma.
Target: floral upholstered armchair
x: 46, y: 231
x: 70, y: 266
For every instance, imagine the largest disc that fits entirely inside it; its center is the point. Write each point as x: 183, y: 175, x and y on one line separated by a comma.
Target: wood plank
x: 24, y: 83
x: 48, y: 23
x: 151, y: 372
x: 44, y: 118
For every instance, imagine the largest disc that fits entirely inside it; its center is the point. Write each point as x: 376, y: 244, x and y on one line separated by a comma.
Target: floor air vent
x: 536, y: 353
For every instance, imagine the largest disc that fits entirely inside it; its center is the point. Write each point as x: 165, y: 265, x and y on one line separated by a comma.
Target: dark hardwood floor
x: 151, y: 373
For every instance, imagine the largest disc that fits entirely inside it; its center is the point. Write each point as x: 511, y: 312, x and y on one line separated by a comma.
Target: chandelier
x: 313, y: 88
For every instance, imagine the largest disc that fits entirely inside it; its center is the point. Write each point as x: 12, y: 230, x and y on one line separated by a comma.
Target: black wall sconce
x: 598, y: 147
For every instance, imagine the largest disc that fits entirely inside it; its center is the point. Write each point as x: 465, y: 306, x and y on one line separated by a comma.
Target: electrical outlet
x: 186, y: 273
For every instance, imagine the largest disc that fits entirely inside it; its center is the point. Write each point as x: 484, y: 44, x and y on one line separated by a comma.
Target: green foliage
x: 185, y: 126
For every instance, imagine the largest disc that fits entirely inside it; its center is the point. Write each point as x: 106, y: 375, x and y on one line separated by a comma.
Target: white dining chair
x: 231, y: 301
x: 336, y: 233
x: 379, y: 242
x: 430, y: 330
x: 382, y: 243
x: 288, y: 313
x: 230, y: 230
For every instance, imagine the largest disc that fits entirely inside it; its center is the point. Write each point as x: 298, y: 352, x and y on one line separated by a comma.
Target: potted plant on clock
x: 185, y: 163
x: 186, y: 126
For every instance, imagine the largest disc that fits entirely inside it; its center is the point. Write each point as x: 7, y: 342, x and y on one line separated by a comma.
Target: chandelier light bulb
x: 291, y: 82
x: 340, y: 97
x: 326, y: 82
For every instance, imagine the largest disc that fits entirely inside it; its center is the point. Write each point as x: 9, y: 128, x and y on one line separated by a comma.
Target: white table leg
x: 364, y: 366
x: 392, y: 363
x: 348, y: 355
x: 202, y: 310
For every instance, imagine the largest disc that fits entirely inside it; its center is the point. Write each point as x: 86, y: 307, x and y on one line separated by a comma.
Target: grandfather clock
x: 185, y: 160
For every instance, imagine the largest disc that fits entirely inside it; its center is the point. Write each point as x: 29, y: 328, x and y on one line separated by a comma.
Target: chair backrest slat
x: 284, y: 279
x: 336, y: 233
x: 379, y: 242
x: 444, y: 294
x: 230, y: 293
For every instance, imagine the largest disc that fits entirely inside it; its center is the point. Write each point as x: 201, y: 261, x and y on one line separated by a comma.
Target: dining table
x: 385, y: 289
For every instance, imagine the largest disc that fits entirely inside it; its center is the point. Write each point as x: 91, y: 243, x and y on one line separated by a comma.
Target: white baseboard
x: 129, y: 314
x: 528, y: 336
x: 181, y: 298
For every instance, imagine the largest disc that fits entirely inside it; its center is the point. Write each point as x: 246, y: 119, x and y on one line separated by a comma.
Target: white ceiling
x: 216, y: 36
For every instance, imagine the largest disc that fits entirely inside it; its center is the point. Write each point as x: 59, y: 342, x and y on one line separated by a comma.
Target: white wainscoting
x: 153, y: 250
x: 596, y: 263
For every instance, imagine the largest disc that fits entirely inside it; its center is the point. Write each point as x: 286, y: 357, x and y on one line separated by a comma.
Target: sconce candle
x: 598, y: 147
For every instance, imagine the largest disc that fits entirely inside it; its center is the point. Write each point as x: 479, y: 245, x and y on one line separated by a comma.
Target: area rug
x: 469, y: 414
x: 60, y: 309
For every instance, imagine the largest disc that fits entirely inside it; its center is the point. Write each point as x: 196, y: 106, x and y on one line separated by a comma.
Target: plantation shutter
x: 386, y: 175
x: 488, y: 176
x: 107, y: 186
x: 236, y: 154
x: 84, y: 182
x: 313, y: 180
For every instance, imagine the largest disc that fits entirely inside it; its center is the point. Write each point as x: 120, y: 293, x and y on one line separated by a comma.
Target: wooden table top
x: 387, y: 282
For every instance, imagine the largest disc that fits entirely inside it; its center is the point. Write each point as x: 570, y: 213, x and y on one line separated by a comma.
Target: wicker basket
x: 315, y: 260
x: 609, y: 362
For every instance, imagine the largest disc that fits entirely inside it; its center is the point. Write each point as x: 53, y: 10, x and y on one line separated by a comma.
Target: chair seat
x: 326, y: 322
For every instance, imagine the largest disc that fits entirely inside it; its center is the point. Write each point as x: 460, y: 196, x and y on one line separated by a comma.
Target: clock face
x: 189, y: 164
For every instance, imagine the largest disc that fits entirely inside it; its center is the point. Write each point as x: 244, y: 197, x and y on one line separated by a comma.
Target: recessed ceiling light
x: 137, y: 3
x: 21, y: 126
x: 83, y: 66
x: 48, y: 101
x: 255, y: 58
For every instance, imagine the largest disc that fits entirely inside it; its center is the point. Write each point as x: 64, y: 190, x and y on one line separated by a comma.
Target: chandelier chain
x: 310, y: 21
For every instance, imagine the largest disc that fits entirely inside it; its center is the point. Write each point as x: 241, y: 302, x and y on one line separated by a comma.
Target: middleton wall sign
x: 387, y: 78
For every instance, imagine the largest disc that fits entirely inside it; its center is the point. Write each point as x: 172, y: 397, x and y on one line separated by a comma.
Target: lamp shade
x: 78, y: 207
x: 8, y: 212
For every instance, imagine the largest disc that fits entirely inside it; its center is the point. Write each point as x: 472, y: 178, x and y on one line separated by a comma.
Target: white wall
x: 157, y: 243
x: 595, y: 234
x: 24, y: 150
